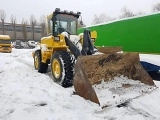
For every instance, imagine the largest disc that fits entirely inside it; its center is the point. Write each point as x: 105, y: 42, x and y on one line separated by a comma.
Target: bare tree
x: 99, y: 19
x: 2, y: 18
x: 102, y: 18
x: 33, y: 23
x: 156, y: 7
x: 24, y: 29
x: 13, y: 22
x: 140, y: 13
x: 126, y: 13
x: 42, y: 23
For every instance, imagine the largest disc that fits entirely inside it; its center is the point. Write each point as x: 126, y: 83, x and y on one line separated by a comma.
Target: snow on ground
x: 26, y: 94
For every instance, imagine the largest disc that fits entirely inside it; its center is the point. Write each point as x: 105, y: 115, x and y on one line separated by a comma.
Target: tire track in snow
x: 145, y: 114
x: 23, y: 61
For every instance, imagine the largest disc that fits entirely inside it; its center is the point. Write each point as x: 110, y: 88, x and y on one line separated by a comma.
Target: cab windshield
x: 5, y: 41
x: 65, y: 23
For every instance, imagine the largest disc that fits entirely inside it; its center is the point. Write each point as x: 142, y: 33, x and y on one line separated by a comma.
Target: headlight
x: 56, y: 38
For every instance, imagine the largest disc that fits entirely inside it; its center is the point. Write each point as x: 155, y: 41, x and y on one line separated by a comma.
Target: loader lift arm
x: 87, y: 47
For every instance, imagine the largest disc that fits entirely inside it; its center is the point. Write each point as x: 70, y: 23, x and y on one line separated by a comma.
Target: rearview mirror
x: 81, y: 22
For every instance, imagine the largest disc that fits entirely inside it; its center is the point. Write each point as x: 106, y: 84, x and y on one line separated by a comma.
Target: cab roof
x: 58, y: 11
x: 6, y: 37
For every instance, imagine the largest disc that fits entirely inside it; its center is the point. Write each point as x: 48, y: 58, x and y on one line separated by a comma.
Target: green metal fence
x: 138, y: 34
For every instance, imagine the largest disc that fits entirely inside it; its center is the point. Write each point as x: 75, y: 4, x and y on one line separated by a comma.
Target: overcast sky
x: 25, y: 8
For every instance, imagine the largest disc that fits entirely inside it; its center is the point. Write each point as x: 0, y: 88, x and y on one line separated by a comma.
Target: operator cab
x: 63, y: 21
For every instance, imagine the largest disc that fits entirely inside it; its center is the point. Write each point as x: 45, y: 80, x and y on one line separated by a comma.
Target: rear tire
x: 62, y: 64
x: 38, y: 65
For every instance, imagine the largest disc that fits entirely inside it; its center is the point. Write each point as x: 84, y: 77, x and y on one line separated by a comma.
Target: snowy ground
x: 26, y: 94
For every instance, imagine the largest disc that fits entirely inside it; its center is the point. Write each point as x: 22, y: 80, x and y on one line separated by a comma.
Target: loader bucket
x: 111, y: 79
x: 109, y: 49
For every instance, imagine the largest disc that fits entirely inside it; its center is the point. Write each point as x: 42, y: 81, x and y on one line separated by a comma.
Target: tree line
x: 32, y: 23
x: 125, y: 13
x: 101, y: 18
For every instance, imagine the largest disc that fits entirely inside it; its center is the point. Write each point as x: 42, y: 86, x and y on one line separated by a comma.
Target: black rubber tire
x: 66, y: 63
x: 41, y: 67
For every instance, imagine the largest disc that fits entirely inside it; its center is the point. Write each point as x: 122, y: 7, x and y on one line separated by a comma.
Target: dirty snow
x: 120, y: 90
x: 74, y: 39
x: 26, y: 94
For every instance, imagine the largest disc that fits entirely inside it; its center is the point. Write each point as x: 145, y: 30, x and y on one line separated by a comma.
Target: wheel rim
x: 36, y: 61
x: 56, y: 68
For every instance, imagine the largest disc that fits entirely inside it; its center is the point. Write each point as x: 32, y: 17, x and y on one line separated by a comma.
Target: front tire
x: 62, y: 64
x: 38, y: 65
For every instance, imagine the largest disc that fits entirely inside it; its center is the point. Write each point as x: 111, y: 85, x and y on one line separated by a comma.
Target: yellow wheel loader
x: 5, y: 44
x: 106, y: 78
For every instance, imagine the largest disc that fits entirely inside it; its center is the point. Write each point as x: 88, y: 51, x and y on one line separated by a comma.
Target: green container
x: 138, y: 34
